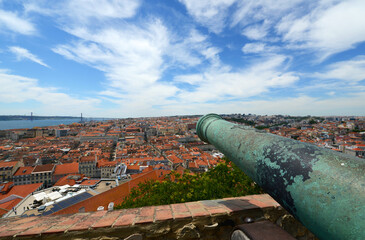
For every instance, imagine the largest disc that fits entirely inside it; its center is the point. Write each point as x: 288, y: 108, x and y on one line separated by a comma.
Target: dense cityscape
x: 47, y: 170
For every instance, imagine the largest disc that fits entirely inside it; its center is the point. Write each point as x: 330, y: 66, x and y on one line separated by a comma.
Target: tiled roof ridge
x: 17, y: 227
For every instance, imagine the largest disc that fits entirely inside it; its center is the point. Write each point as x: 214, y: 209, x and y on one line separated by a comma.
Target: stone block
x: 180, y: 211
x: 127, y: 218
x: 146, y: 215
x: 108, y: 220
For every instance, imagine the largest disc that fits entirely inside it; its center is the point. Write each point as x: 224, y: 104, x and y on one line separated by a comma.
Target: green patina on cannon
x: 323, y: 189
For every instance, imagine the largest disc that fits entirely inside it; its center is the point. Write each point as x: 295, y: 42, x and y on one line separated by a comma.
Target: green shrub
x: 224, y: 180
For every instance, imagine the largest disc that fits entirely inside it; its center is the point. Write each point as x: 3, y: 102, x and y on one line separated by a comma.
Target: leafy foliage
x: 247, y: 122
x: 312, y: 121
x: 225, y: 180
x: 261, y: 127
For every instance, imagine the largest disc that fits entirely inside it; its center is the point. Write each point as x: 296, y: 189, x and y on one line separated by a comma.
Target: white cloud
x: 251, y: 81
x: 330, y: 28
x: 259, y: 48
x: 139, y: 56
x: 18, y: 89
x: 325, y: 27
x: 305, y: 105
x: 254, y: 48
x: 188, y: 51
x: 133, y: 67
x: 99, y: 9
x: 255, y: 32
x: 129, y: 63
x: 192, y: 79
x: 209, y: 13
x: 10, y: 21
x: 350, y: 70
x: 263, y: 13
x: 22, y: 53
x: 296, y: 106
x: 85, y: 11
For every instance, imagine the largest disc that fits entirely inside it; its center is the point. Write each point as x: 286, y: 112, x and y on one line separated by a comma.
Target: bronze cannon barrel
x: 322, y: 188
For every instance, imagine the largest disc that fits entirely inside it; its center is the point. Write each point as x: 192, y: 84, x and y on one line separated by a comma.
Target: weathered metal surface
x: 323, y: 189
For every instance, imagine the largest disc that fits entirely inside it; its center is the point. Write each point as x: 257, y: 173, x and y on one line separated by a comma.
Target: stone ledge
x: 150, y: 222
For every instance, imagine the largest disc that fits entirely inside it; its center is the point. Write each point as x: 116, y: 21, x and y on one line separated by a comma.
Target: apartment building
x: 23, y: 175
x: 43, y: 174
x: 7, y: 170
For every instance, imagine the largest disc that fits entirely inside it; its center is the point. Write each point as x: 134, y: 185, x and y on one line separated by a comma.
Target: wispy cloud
x: 151, y: 65
x: 84, y: 12
x: 215, y: 85
x: 134, y: 67
x: 129, y: 64
x: 22, y: 53
x: 258, y: 47
x: 300, y: 105
x: 331, y: 27
x: 263, y: 13
x: 256, y: 31
x: 19, y: 89
x: 348, y: 71
x: 209, y: 13
x: 317, y: 26
x: 12, y: 22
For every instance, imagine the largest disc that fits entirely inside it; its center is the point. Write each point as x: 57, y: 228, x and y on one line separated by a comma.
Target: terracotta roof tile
x: 8, y: 164
x: 22, y: 190
x: 69, y: 180
x: 44, y: 168
x: 67, y: 168
x: 24, y: 171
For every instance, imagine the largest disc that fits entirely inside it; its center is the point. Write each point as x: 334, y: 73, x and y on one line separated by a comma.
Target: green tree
x: 312, y: 121
x: 225, y: 180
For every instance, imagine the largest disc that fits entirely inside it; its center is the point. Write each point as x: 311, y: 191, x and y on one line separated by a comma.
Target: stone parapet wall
x: 209, y: 219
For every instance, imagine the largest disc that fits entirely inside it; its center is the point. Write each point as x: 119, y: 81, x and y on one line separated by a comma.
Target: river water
x: 16, y: 124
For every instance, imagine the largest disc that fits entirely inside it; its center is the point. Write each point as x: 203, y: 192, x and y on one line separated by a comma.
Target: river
x: 16, y: 124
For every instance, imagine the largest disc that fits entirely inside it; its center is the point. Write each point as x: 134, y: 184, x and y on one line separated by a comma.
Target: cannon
x: 322, y: 188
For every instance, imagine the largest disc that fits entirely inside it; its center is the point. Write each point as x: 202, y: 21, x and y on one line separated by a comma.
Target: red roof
x: 7, y: 206
x: 175, y: 159
x: 8, y: 164
x: 67, y: 168
x: 23, y: 171
x: 107, y: 163
x: 87, y: 159
x: 133, y: 167
x: 193, y: 165
x: 69, y: 179
x: 44, y: 168
x: 6, y: 187
x: 90, y: 182
x: 22, y: 191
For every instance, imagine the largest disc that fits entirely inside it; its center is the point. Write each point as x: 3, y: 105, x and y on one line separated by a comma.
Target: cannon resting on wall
x: 323, y: 189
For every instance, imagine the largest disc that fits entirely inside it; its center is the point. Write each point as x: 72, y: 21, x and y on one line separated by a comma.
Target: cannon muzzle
x: 323, y: 189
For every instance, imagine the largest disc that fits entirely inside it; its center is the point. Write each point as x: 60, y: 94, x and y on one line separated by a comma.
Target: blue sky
x: 132, y: 58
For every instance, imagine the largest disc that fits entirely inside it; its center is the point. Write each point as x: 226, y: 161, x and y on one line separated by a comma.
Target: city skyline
x: 141, y: 58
